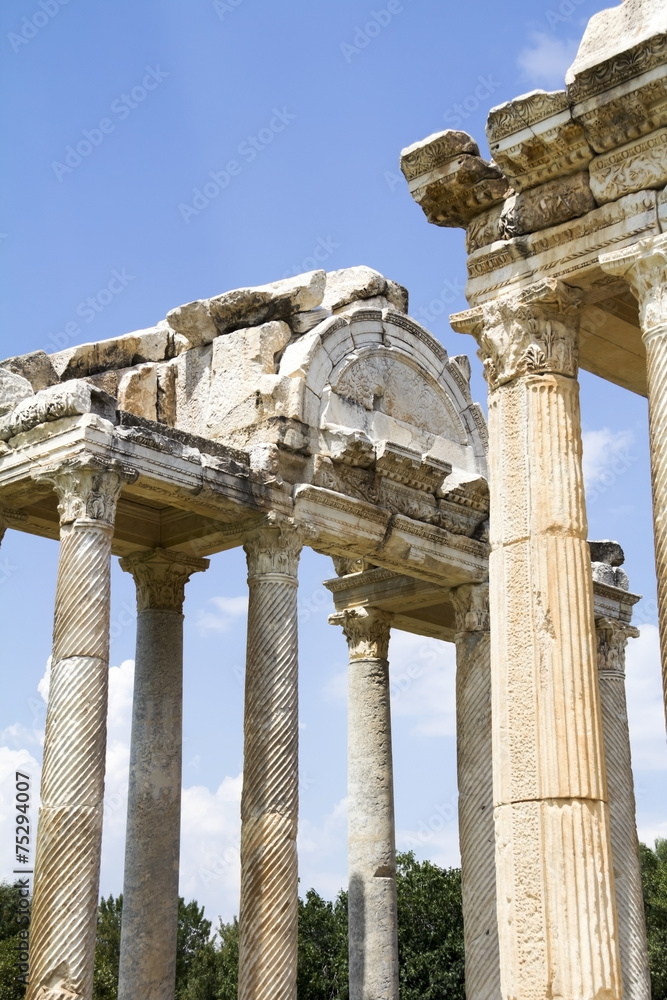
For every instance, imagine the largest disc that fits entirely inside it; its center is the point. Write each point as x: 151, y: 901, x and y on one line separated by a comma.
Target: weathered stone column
x: 373, y: 928
x: 556, y: 910
x: 612, y: 637
x: 270, y: 799
x: 644, y: 267
x: 475, y: 779
x: 150, y: 887
x: 69, y: 833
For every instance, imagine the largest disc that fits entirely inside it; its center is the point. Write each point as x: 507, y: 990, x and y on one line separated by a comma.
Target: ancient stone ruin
x: 315, y: 411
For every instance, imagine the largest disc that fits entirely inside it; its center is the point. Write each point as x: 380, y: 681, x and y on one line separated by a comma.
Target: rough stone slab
x: 533, y: 139
x: 137, y: 391
x: 35, y: 367
x: 58, y: 401
x: 548, y: 205
x: 634, y: 167
x: 607, y: 552
x: 193, y: 320
x: 157, y: 343
x: 246, y: 307
x: 352, y: 284
x: 13, y: 389
x: 306, y: 321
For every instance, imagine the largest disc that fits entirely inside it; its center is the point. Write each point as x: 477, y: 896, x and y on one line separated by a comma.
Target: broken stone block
x: 248, y: 307
x: 449, y: 179
x: 73, y: 399
x: 193, y: 320
x: 548, y: 205
x: 13, y: 389
x: 306, y: 321
x: 35, y: 367
x: 534, y: 139
x: 158, y: 343
x: 137, y: 392
x: 353, y: 284
x: 607, y: 552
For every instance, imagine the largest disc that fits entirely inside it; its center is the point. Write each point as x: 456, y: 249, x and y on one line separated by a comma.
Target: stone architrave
x: 556, y: 912
x: 270, y: 798
x: 612, y: 638
x: 372, y: 908
x: 644, y: 267
x: 69, y: 834
x: 475, y: 780
x: 152, y: 846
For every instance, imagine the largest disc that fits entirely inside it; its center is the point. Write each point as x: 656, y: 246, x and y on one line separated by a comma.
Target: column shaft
x: 269, y: 802
x: 69, y: 835
x: 556, y: 908
x: 612, y: 638
x: 373, y: 924
x: 152, y: 846
x: 475, y: 780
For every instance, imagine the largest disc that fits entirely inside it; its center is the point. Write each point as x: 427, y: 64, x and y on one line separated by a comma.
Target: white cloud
x: 12, y: 761
x: 608, y: 455
x: 423, y: 677
x: 545, y: 61
x: 646, y: 714
x: 227, y: 611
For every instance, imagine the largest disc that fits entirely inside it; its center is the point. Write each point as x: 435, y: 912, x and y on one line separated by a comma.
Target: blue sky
x: 225, y: 144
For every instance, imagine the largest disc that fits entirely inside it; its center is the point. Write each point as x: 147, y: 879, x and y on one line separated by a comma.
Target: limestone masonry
x: 315, y: 411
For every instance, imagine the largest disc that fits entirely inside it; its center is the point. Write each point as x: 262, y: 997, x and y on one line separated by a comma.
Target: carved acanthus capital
x: 471, y: 607
x: 612, y: 638
x: 644, y: 267
x: 87, y: 488
x: 367, y: 631
x: 161, y: 576
x: 274, y: 550
x: 532, y: 331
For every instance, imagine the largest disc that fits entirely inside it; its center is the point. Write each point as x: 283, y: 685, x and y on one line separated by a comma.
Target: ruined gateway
x: 315, y: 411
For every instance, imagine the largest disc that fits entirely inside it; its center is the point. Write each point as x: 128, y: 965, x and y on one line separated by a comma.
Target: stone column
x: 475, y: 779
x: 612, y: 638
x: 556, y: 909
x: 150, y: 888
x: 373, y: 928
x: 270, y: 799
x: 69, y: 833
x: 644, y: 267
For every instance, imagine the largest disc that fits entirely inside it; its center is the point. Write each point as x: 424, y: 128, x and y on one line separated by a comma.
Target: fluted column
x: 269, y: 803
x: 556, y: 910
x: 152, y: 845
x: 644, y: 267
x: 475, y: 779
x: 69, y: 833
x: 612, y: 639
x: 373, y: 927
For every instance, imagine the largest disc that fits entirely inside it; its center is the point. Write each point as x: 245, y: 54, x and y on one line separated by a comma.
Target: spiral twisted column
x: 644, y: 267
x: 557, y: 923
x: 152, y: 846
x: 612, y: 639
x: 69, y: 832
x: 373, y: 925
x: 270, y: 799
x: 475, y: 778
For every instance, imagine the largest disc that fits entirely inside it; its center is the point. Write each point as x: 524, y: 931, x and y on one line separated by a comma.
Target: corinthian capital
x: 274, y: 551
x: 612, y: 638
x: 161, y: 577
x: 471, y: 607
x: 367, y: 631
x: 644, y: 267
x: 534, y: 330
x: 87, y: 488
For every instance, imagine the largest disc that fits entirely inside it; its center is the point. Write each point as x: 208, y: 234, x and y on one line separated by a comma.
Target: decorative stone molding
x: 73, y: 399
x: 86, y: 487
x: 367, y: 631
x: 612, y: 638
x: 644, y: 267
x: 471, y: 607
x: 161, y: 576
x: 639, y: 165
x: 533, y: 331
x: 347, y: 567
x: 274, y: 550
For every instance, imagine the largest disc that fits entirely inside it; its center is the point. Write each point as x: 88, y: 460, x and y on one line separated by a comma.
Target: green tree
x: 10, y: 987
x: 322, y: 967
x: 430, y: 930
x: 107, y: 949
x: 654, y: 884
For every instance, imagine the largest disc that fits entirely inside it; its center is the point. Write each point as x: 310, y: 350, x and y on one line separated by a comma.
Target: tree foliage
x: 654, y: 883
x: 10, y: 987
